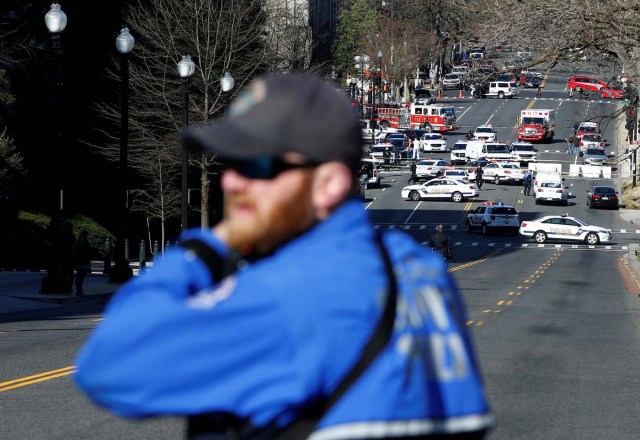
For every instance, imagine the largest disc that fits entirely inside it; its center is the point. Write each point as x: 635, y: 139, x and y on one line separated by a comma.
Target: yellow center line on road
x: 465, y: 211
x: 41, y: 377
x: 473, y: 263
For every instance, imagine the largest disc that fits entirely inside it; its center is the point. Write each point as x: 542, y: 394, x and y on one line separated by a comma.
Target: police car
x: 441, y: 188
x: 493, y: 217
x: 429, y: 168
x: 432, y: 142
x: 564, y: 227
x: 485, y: 133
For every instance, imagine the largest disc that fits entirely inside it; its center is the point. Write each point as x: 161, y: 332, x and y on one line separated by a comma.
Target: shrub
x: 28, y: 242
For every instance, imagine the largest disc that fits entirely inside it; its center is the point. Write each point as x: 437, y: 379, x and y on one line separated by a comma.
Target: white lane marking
x: 413, y: 212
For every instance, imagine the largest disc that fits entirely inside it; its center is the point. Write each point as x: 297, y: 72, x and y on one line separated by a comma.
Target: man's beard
x: 261, y: 232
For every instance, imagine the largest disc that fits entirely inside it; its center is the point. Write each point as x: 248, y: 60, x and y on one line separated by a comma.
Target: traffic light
x: 631, y: 119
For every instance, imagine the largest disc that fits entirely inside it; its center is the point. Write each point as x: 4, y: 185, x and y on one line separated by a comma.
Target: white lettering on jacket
x: 427, y: 331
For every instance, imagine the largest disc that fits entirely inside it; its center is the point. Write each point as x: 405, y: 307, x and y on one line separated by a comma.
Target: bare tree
x: 405, y: 45
x: 288, y: 36
x: 220, y: 36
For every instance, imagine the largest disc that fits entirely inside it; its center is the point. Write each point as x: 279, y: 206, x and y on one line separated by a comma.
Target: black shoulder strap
x: 218, y: 266
x: 304, y: 425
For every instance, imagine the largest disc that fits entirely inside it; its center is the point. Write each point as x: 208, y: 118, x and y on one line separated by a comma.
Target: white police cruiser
x: 441, y: 188
x: 493, y: 217
x: 564, y: 227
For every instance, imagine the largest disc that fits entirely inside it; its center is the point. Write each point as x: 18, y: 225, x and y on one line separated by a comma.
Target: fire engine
x: 431, y: 117
x: 537, y: 125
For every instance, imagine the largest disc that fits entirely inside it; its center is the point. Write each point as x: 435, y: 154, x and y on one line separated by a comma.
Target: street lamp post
x: 186, y: 68
x: 226, y: 84
x: 56, y: 279
x: 373, y: 94
x: 362, y: 62
x: 56, y: 22
x: 352, y: 87
x: 121, y: 270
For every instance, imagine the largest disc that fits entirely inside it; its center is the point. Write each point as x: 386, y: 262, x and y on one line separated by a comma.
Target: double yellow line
x: 473, y: 263
x: 465, y: 211
x: 30, y: 380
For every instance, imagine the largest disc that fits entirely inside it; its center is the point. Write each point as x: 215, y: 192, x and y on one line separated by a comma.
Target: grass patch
x: 630, y: 195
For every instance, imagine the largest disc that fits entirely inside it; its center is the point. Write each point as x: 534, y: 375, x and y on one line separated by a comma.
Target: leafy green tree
x: 358, y: 24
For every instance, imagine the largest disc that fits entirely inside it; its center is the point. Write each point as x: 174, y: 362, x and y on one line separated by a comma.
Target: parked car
x: 432, y: 142
x: 442, y: 188
x: 612, y: 92
x: 371, y: 167
x: 430, y: 168
x: 499, y: 89
x: 594, y: 156
x: 582, y: 82
x: 524, y: 152
x: 452, y: 81
x: 563, y: 227
x: 485, y: 133
x: 424, y: 96
x: 603, y: 196
x: 493, y: 217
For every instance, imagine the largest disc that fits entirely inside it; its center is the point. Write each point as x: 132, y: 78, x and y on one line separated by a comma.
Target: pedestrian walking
x: 539, y: 93
x: 241, y: 328
x: 569, y: 141
x: 576, y: 146
x: 440, y: 242
x: 413, y: 167
x: 479, y: 177
x: 82, y: 252
x: 527, y: 180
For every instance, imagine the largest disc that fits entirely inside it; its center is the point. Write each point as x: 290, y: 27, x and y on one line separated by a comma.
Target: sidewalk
x: 20, y: 291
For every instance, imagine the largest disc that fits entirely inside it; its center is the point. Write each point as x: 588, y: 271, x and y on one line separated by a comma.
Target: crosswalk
x: 459, y: 227
x: 547, y: 246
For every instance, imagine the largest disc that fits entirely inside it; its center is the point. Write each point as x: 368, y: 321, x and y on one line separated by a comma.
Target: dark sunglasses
x: 264, y: 167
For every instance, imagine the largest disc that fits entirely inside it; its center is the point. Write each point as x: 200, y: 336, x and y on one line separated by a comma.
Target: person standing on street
x: 539, y: 92
x: 386, y: 154
x: 570, y: 141
x: 292, y: 315
x: 413, y: 168
x: 82, y: 251
x: 441, y: 243
x: 479, y: 179
x: 527, y: 179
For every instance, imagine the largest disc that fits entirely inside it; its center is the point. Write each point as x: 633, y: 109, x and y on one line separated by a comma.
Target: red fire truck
x: 431, y: 117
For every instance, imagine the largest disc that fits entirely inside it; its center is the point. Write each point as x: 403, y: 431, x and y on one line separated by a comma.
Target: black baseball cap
x: 284, y: 113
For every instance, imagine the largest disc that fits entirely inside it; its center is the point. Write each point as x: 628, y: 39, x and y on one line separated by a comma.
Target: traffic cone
x: 439, y: 94
x: 460, y: 94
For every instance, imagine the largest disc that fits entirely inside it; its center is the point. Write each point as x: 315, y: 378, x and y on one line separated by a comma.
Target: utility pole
x: 632, y: 136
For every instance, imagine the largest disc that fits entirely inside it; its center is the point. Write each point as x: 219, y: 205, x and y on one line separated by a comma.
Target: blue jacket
x: 284, y: 330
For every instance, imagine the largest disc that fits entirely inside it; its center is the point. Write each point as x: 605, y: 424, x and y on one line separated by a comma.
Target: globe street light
x: 121, y: 270
x: 226, y: 84
x: 362, y: 62
x: 186, y: 68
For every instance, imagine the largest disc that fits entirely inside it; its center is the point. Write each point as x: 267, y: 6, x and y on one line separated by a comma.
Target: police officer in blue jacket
x: 249, y: 327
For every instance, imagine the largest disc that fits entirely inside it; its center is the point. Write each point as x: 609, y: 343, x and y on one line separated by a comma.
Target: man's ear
x: 332, y: 184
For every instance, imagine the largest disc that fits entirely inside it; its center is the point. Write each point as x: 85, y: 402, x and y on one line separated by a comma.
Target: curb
x: 632, y: 264
x: 65, y: 298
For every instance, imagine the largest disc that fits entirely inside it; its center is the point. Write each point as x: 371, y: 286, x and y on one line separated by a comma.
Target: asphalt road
x: 555, y: 329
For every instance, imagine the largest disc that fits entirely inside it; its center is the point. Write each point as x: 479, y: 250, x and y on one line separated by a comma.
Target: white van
x: 487, y: 150
x: 548, y: 186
